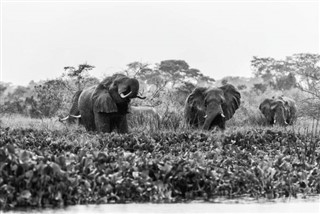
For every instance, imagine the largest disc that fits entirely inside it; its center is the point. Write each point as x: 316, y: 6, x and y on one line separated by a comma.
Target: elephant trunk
x: 212, y: 114
x: 279, y: 117
x: 142, y: 98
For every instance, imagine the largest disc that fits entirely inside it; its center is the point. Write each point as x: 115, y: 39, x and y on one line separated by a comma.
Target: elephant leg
x: 122, y: 124
x: 88, y: 121
x: 222, y: 125
x: 103, y: 122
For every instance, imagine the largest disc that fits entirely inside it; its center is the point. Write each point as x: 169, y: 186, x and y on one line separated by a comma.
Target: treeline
x: 166, y: 85
x: 172, y: 79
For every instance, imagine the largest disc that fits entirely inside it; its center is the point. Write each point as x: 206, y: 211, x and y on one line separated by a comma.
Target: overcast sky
x: 217, y: 37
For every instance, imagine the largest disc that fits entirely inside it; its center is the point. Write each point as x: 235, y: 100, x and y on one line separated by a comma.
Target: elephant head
x: 209, y: 107
x: 280, y: 110
x: 104, y: 107
x: 114, y: 93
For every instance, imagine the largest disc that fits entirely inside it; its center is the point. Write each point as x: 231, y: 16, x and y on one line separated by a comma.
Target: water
x: 279, y: 206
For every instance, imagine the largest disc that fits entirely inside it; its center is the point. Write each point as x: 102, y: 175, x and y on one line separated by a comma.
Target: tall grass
x: 243, y: 119
x: 20, y: 121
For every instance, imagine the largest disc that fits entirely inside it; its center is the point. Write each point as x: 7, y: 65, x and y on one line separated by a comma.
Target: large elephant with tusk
x: 104, y: 107
x: 209, y: 107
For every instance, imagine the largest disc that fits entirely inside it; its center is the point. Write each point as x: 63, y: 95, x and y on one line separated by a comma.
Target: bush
x: 42, y: 168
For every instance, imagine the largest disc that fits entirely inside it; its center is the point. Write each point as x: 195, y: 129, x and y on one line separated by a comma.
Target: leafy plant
x: 57, y: 168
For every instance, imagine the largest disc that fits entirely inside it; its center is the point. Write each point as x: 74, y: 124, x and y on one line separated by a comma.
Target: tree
x: 3, y: 87
x: 241, y: 87
x: 260, y: 87
x: 307, y: 68
x: 48, y: 98
x: 224, y: 81
x: 135, y: 69
x: 79, y: 74
x: 277, y: 73
x: 14, y: 102
x: 299, y: 70
x: 178, y: 71
x: 167, y: 76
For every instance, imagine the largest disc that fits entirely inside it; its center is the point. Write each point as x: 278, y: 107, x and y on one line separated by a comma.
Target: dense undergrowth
x: 40, y: 168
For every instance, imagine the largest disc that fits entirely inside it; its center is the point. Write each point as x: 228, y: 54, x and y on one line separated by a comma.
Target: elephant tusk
x: 64, y: 119
x: 123, y: 96
x: 76, y: 116
x: 205, y: 116
x: 142, y: 98
x: 222, y: 115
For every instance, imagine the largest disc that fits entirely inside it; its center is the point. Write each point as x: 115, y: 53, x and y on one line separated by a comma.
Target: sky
x: 40, y: 38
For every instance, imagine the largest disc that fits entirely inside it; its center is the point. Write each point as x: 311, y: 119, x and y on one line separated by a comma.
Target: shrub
x: 55, y: 168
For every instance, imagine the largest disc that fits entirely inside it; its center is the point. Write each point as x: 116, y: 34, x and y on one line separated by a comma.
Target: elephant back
x: 84, y: 101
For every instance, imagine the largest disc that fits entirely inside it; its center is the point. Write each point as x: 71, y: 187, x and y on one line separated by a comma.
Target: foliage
x: 299, y: 70
x: 308, y: 69
x: 276, y: 73
x: 169, y: 76
x: 45, y: 169
x: 14, y: 102
x: 79, y: 74
x: 48, y: 98
x: 3, y: 87
x: 260, y: 87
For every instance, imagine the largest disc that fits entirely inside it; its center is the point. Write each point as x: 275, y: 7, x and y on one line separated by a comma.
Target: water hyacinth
x: 47, y: 169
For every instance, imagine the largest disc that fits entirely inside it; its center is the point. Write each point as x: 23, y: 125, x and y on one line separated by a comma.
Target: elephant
x: 74, y: 112
x: 279, y: 110
x: 103, y: 107
x: 208, y: 107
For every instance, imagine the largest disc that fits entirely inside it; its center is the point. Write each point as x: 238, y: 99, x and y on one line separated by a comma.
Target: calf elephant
x: 104, y: 107
x: 279, y: 110
x: 210, y: 107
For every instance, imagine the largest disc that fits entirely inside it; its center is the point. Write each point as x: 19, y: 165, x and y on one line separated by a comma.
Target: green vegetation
x: 41, y: 168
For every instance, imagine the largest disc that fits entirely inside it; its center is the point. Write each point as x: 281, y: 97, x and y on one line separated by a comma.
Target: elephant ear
x: 198, y: 94
x: 194, y: 106
x: 102, y: 101
x: 265, y: 106
x: 232, y: 100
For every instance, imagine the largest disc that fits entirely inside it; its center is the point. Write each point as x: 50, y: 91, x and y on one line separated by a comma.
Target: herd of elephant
x: 104, y: 107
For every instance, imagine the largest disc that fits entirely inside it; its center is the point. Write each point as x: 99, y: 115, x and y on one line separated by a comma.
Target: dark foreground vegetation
x: 41, y: 168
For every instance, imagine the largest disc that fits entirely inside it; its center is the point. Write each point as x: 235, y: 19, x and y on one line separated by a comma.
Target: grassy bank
x: 55, y: 166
